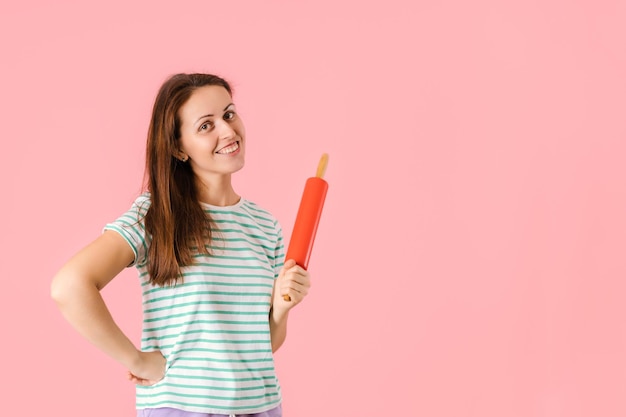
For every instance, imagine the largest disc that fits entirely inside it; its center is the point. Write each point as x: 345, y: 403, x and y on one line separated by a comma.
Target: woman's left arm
x: 295, y: 282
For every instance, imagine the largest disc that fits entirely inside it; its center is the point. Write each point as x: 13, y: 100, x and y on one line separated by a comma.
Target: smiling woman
x: 211, y: 266
x: 215, y: 141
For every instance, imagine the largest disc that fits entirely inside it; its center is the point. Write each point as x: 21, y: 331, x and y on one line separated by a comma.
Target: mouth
x: 228, y: 149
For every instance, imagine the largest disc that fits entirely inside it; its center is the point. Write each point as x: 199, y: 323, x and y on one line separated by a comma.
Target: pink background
x: 470, y: 259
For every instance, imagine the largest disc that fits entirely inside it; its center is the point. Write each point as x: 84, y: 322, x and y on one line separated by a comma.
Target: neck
x: 217, y: 191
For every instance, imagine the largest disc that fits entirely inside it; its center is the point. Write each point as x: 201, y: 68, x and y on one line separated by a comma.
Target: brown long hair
x: 175, y: 219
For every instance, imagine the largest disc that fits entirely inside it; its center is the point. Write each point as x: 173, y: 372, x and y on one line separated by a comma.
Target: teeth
x: 229, y: 149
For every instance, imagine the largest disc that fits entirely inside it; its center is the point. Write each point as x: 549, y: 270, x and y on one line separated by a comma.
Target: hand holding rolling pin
x: 294, y: 280
x: 291, y: 286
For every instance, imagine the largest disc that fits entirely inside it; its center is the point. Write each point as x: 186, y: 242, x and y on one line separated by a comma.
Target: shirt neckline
x: 222, y: 208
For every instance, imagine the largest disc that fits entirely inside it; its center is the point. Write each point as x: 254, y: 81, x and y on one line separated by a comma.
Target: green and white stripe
x: 213, y: 326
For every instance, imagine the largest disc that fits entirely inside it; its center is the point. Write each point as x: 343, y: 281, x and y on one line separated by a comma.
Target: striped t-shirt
x: 213, y: 327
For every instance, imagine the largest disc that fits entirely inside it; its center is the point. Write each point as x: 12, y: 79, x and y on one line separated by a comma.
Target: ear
x: 181, y: 156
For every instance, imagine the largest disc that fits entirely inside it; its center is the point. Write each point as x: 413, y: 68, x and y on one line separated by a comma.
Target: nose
x: 225, y: 130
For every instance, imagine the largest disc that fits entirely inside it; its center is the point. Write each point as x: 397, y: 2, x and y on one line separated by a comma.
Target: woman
x: 210, y: 265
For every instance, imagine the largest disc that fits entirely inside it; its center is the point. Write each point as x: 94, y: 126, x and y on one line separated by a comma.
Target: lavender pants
x: 173, y: 412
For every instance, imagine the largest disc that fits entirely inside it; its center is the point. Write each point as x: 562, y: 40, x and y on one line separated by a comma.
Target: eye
x: 229, y: 115
x: 205, y: 126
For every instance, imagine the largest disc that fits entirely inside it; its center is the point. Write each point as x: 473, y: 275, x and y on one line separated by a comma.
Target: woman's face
x: 212, y: 134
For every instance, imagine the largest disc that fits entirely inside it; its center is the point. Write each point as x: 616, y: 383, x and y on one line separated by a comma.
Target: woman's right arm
x: 76, y: 290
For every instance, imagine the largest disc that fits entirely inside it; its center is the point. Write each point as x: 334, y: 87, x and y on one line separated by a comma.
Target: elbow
x: 58, y: 288
x: 63, y: 286
x: 277, y: 343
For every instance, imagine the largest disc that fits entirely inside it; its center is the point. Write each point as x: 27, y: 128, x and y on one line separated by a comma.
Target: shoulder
x: 142, y: 203
x: 143, y: 199
x: 137, y: 211
x: 259, y: 214
x: 254, y: 209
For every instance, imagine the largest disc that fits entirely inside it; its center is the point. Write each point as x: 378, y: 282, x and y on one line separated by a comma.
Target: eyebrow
x: 211, y: 115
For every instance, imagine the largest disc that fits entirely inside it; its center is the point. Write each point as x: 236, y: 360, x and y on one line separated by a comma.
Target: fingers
x: 293, y: 297
x: 289, y: 263
x: 290, y: 267
x: 294, y: 282
x: 293, y: 288
x: 149, y: 370
x: 140, y: 381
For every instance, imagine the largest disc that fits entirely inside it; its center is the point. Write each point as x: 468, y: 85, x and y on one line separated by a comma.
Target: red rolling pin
x: 308, y: 218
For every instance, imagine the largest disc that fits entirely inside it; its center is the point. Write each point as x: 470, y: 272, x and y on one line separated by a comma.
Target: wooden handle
x: 321, y: 167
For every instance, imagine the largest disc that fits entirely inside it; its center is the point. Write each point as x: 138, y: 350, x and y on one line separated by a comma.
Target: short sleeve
x: 279, y: 252
x: 131, y: 227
